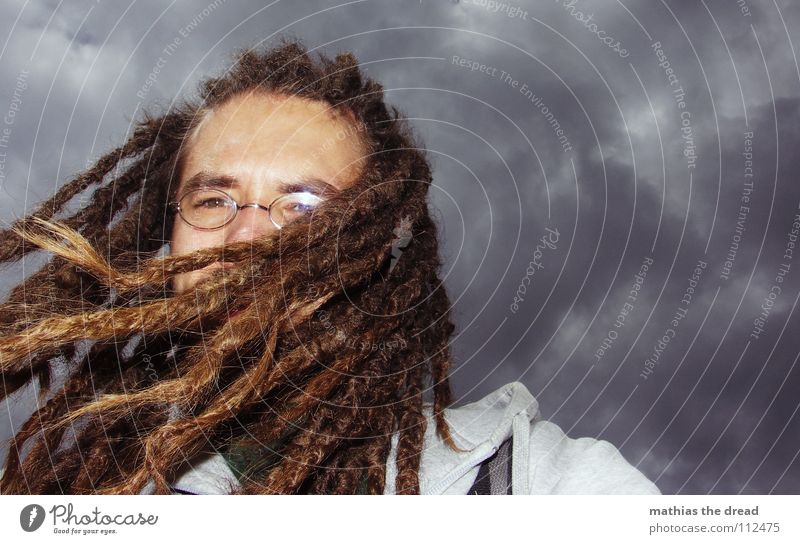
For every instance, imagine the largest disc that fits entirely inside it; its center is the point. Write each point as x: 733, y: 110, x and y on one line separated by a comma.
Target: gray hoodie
x: 544, y: 459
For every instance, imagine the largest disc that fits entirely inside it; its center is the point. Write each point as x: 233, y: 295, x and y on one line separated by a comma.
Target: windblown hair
x: 154, y: 378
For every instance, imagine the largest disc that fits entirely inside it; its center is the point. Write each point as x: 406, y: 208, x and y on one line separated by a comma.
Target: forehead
x: 263, y: 136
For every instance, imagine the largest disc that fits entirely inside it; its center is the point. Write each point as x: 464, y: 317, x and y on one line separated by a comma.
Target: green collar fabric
x: 251, y: 459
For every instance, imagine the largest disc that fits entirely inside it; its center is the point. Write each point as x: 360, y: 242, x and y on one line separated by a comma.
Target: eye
x: 207, y: 199
x: 300, y: 203
x: 301, y: 207
x: 210, y: 203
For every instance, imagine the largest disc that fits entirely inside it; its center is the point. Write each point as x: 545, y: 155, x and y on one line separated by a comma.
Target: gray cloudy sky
x: 662, y: 133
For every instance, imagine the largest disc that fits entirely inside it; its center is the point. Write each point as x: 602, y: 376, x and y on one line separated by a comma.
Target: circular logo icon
x: 31, y: 517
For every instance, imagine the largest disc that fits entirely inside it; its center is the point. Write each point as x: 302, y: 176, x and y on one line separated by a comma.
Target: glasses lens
x: 294, y: 206
x: 207, y: 208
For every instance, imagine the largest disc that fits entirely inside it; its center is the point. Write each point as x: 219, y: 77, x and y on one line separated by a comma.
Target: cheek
x: 179, y: 238
x: 185, y: 239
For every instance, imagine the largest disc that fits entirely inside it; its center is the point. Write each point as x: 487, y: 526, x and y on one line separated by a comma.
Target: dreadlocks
x: 155, y: 377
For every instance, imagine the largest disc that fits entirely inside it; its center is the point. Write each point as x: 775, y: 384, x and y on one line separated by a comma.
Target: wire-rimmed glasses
x: 209, y: 208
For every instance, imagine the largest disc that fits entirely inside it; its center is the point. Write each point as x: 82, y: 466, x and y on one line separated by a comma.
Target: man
x: 259, y: 326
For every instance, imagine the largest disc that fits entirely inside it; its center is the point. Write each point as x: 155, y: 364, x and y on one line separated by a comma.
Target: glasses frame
x: 175, y: 206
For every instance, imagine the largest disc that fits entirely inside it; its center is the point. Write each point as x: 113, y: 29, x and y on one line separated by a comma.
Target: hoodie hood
x: 479, y: 428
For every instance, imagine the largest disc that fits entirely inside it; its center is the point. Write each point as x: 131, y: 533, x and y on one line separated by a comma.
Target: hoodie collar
x: 478, y: 428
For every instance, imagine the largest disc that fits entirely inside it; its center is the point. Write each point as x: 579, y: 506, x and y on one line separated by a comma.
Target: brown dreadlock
x: 166, y: 376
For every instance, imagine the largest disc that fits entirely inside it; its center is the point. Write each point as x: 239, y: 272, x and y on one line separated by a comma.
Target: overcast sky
x: 653, y: 144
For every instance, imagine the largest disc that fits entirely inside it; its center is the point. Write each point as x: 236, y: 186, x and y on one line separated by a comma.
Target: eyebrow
x: 225, y: 181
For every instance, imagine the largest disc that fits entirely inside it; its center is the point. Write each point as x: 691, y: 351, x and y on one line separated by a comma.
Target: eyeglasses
x: 210, y: 209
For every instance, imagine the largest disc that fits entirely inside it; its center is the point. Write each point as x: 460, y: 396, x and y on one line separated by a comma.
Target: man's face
x: 264, y: 142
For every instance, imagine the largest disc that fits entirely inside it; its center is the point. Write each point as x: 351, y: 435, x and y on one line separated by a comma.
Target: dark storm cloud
x: 618, y: 192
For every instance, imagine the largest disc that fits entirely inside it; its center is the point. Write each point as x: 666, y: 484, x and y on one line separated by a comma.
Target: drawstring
x: 520, y: 429
x: 520, y: 463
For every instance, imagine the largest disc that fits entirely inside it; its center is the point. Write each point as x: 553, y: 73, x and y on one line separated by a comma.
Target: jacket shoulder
x: 580, y: 466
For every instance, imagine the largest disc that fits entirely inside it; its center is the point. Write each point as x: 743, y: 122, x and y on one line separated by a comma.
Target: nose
x: 249, y: 223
